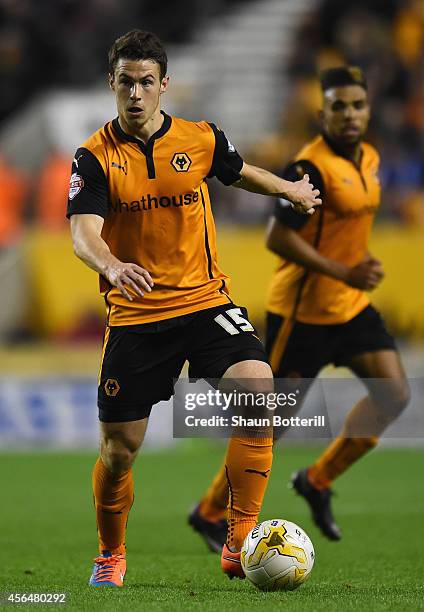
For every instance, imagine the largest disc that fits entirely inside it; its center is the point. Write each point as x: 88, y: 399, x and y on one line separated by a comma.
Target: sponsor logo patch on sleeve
x: 76, y: 183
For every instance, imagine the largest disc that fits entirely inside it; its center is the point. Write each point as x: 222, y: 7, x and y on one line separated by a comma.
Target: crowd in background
x: 46, y: 44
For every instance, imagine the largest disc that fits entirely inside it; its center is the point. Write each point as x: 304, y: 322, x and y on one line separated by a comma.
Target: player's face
x: 345, y: 114
x: 137, y: 86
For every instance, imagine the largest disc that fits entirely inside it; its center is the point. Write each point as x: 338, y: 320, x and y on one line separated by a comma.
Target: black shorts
x: 308, y: 348
x: 141, y: 362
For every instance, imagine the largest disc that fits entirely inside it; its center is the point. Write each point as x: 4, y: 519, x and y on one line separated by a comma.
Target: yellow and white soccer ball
x: 277, y: 555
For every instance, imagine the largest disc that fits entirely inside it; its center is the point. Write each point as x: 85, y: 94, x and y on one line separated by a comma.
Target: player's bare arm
x: 286, y: 242
x: 90, y: 247
x: 301, y: 194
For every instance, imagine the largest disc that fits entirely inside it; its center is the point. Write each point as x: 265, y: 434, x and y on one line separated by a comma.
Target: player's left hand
x: 304, y: 197
x: 366, y: 275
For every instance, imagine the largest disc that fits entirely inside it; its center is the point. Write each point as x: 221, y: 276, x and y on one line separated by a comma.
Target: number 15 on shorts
x: 233, y: 322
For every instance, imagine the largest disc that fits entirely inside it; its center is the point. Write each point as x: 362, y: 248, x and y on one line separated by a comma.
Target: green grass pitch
x: 48, y: 534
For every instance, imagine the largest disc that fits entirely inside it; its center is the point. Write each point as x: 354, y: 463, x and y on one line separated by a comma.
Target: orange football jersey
x: 339, y: 230
x: 155, y: 202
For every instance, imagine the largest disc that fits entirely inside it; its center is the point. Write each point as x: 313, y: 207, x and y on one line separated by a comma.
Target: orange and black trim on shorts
x: 280, y: 343
x: 105, y: 341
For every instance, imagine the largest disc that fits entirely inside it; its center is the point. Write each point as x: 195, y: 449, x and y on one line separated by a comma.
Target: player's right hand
x: 304, y: 197
x: 125, y: 275
x: 367, y: 275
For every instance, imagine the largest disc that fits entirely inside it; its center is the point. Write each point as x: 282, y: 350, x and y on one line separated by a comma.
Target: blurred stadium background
x: 249, y: 66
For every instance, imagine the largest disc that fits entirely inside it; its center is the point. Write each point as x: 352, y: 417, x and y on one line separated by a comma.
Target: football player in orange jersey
x: 318, y: 312
x: 141, y: 217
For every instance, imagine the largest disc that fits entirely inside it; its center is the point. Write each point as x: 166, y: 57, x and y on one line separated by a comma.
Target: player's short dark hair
x: 342, y: 76
x: 138, y: 45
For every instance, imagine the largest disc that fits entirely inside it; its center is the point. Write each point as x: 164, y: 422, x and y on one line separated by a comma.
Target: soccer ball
x: 277, y: 555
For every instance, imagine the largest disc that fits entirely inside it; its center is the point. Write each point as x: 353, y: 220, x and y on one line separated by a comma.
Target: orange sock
x: 113, y: 498
x: 213, y: 506
x: 248, y: 465
x: 346, y: 449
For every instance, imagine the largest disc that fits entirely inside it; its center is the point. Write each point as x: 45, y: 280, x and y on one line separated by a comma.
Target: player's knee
x: 251, y: 383
x: 118, y: 460
x: 398, y: 398
x: 118, y: 455
x: 257, y: 375
x: 401, y: 396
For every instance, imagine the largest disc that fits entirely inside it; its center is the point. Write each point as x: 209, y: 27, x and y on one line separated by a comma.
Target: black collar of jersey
x: 146, y: 149
x: 167, y: 120
x: 339, y: 150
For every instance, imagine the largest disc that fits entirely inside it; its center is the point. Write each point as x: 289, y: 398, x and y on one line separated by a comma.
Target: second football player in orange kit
x: 317, y: 311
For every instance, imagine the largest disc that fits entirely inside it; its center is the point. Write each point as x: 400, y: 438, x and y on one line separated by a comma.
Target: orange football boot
x: 231, y: 564
x: 108, y: 570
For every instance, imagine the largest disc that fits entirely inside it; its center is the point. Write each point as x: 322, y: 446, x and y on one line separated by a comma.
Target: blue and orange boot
x: 109, y: 570
x: 231, y: 564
